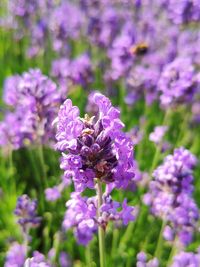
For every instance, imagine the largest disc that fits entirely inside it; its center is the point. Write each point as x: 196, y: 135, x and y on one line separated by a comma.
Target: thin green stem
x: 160, y: 239
x: 88, y: 256
x: 101, y: 232
x: 159, y: 146
x: 114, y: 243
x: 172, y: 252
x: 43, y: 166
x: 127, y: 234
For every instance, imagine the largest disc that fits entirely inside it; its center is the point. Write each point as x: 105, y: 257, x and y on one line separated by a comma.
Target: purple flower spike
x: 15, y: 256
x: 81, y: 215
x: 142, y: 261
x: 26, y: 211
x: 178, y: 82
x: 185, y: 259
x: 96, y: 147
x: 157, y: 135
x: 170, y: 196
x: 35, y: 100
x: 38, y: 259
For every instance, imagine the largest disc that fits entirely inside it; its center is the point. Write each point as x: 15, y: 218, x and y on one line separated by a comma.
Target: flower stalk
x: 101, y: 231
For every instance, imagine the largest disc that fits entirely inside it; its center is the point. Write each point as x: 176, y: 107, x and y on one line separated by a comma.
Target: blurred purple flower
x: 26, y: 212
x: 170, y: 195
x: 157, y: 135
x: 35, y: 101
x: 185, y: 259
x: 15, y: 256
x: 142, y: 261
x: 36, y: 260
x: 52, y: 194
x: 178, y: 83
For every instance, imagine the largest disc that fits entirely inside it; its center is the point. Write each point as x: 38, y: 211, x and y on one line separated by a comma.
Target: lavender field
x: 99, y: 133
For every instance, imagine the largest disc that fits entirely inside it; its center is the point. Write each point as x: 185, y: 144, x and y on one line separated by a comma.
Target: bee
x: 139, y: 49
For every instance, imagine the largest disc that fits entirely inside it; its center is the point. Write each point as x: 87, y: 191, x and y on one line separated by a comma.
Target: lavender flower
x: 26, y: 211
x: 61, y: 70
x: 140, y: 85
x: 178, y: 82
x: 120, y: 54
x: 35, y: 100
x: 136, y: 135
x: 142, y: 261
x: 10, y: 131
x: 64, y: 259
x: 185, y: 259
x: 10, y: 90
x: 103, y: 25
x: 97, y: 148
x: 69, y: 73
x: 81, y: 215
x: 170, y: 195
x: 52, y: 194
x: 63, y: 27
x: 15, y: 256
x: 81, y: 70
x: 157, y: 135
x: 38, y: 259
x: 184, y: 11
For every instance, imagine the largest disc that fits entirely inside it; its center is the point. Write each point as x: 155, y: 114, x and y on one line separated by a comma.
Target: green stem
x: 155, y: 158
x: 101, y: 232
x: 43, y: 166
x: 159, y: 146
x: 88, y: 256
x: 114, y: 243
x: 127, y: 235
x: 160, y: 239
x: 172, y: 253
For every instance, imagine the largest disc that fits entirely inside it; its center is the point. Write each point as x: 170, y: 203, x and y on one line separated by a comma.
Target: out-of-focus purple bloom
x: 81, y: 70
x: 15, y: 256
x: 10, y: 131
x: 61, y: 70
x: 22, y: 7
x: 178, y: 83
x: 96, y: 146
x: 39, y: 35
x: 64, y: 259
x: 62, y: 27
x: 26, y: 212
x: 74, y: 72
x: 136, y: 135
x: 157, y: 135
x: 142, y: 261
x: 168, y: 233
x: 183, y: 11
x: 10, y: 90
x: 142, y: 82
x: 36, y: 100
x: 52, y: 194
x: 170, y: 195
x: 38, y: 259
x: 192, y: 39
x: 185, y: 259
x: 103, y: 25
x: 120, y: 54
